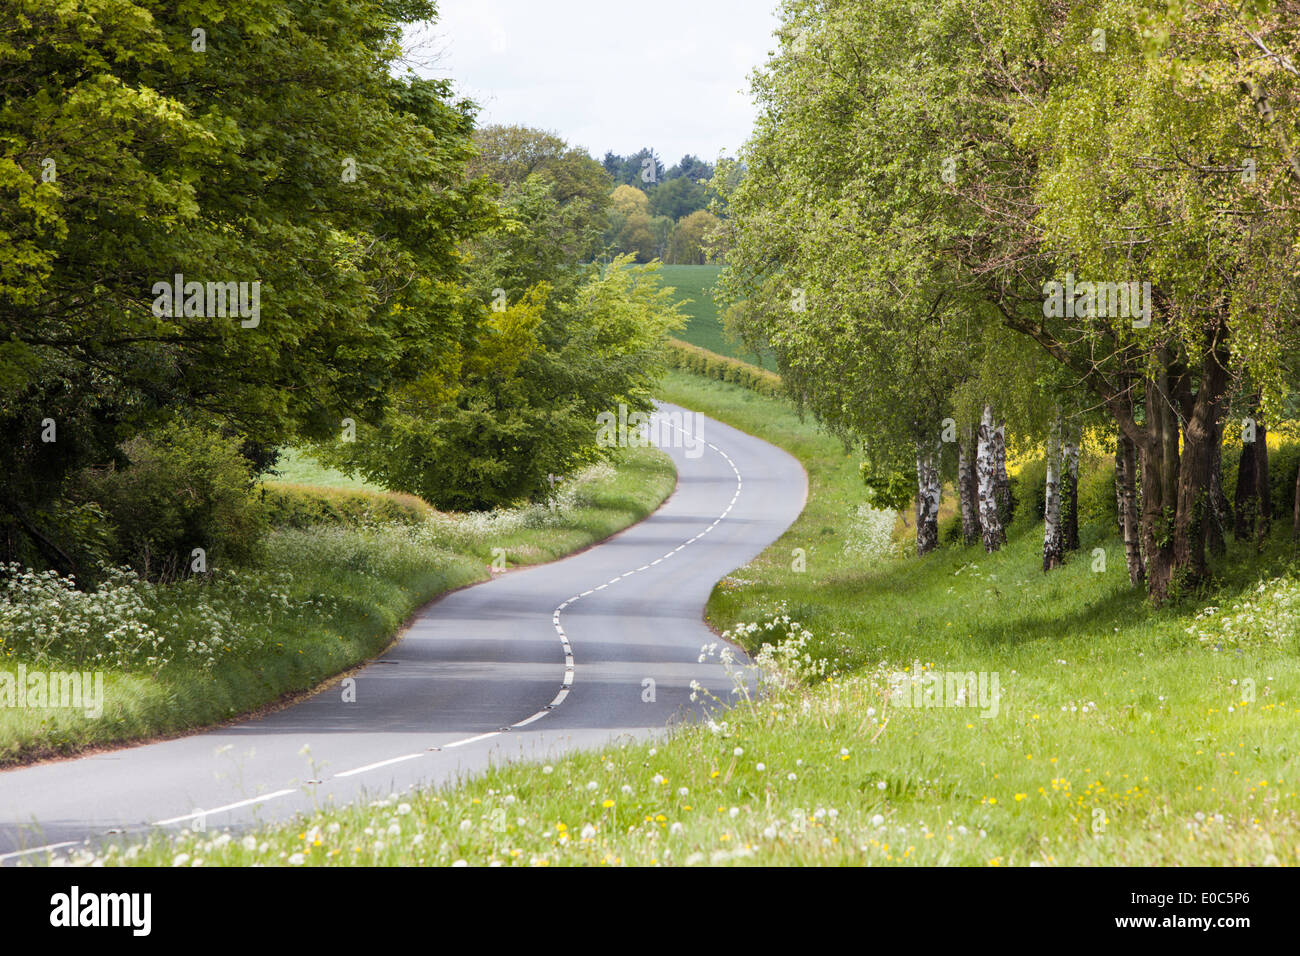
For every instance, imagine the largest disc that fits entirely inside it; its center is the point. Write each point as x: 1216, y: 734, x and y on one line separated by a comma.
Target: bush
x: 950, y: 529
x: 302, y: 506
x: 1096, y: 492
x: 1030, y: 488
x: 692, y: 358
x: 1097, y: 497
x: 184, y: 487
x: 1282, y: 467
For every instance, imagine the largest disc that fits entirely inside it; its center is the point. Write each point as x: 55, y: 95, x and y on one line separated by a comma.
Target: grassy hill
x: 705, y: 327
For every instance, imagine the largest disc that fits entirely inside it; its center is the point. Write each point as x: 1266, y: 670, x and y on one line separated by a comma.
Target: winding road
x: 531, y: 664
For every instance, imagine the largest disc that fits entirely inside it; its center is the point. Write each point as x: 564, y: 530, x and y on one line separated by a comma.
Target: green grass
x: 322, y: 600
x: 1119, y: 738
x: 704, y: 327
x: 297, y: 467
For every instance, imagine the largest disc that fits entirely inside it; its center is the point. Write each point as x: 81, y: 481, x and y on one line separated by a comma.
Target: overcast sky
x: 607, y: 74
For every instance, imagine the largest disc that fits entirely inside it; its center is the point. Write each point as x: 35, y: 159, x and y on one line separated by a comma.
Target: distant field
x: 297, y: 467
x: 705, y: 327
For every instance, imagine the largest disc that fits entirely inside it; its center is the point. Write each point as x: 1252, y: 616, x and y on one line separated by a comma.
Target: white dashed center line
x: 555, y: 617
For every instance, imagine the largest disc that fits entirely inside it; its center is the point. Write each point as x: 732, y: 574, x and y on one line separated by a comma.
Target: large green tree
x: 555, y: 341
x: 267, y: 143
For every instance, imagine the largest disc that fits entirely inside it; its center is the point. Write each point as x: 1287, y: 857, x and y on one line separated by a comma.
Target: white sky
x: 607, y: 74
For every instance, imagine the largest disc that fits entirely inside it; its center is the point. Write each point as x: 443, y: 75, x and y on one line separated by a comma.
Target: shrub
x: 184, y: 487
x: 950, y: 529
x: 1096, y: 491
x: 1097, y: 496
x: 1282, y: 466
x: 302, y: 506
x: 692, y: 358
x: 1030, y: 488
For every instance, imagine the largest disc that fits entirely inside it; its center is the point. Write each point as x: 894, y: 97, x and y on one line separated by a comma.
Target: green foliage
x: 302, y: 506
x: 692, y: 358
x: 182, y: 487
x: 689, y: 243
x: 229, y: 163
x: 641, y: 169
x: 678, y: 198
x: 553, y: 201
x: 524, y: 405
x: 1097, y: 504
x: 1283, y: 465
x: 1096, y: 491
x: 887, y: 488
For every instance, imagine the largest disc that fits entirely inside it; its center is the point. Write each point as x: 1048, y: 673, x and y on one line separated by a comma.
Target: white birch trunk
x: 1070, y: 490
x: 927, y: 498
x: 1052, y: 501
x: 967, y: 491
x: 1001, y: 483
x: 986, y: 474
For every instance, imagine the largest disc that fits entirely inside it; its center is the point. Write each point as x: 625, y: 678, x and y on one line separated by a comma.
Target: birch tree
x: 1052, y: 501
x: 986, y: 468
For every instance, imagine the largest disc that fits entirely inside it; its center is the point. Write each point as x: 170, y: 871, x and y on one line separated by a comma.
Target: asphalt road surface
x: 531, y: 664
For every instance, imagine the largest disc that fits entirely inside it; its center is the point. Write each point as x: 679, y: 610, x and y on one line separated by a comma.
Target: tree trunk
x: 1001, y: 483
x: 1052, y: 501
x: 1295, y: 517
x: 1119, y: 484
x: 1245, y: 499
x: 1127, y: 481
x: 986, y: 472
x: 1264, y: 498
x: 1158, y: 456
x: 927, y: 498
x: 1199, y: 434
x: 968, y: 491
x: 1217, y: 524
x: 1070, y: 492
